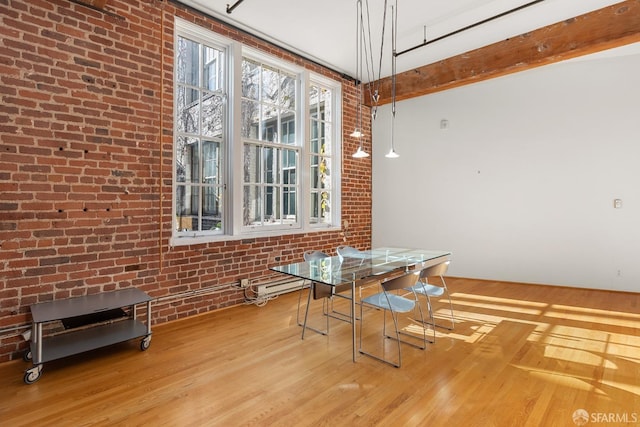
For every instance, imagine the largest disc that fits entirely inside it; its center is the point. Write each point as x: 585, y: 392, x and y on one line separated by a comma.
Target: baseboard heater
x: 278, y: 287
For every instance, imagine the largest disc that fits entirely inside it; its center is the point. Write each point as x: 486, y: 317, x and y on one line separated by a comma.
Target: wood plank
x: 603, y: 29
x: 519, y: 355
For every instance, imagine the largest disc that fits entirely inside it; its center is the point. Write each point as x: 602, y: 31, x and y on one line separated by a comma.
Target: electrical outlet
x: 244, y: 283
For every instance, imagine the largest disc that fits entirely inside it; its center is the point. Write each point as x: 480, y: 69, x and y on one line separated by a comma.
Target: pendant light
x: 357, y: 132
x: 392, y: 154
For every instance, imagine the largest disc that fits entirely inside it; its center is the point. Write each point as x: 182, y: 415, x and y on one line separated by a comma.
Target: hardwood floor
x: 520, y: 355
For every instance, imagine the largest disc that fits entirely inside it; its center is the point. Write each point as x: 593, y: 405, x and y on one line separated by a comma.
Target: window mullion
x: 200, y: 185
x: 304, y: 161
x: 236, y: 151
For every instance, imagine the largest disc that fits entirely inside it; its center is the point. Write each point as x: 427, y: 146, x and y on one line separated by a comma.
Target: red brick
x: 81, y: 177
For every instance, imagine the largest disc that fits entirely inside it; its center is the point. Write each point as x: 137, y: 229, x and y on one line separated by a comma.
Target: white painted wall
x: 521, y: 185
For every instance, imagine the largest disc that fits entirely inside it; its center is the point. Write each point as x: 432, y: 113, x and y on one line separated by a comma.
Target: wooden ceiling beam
x: 603, y: 29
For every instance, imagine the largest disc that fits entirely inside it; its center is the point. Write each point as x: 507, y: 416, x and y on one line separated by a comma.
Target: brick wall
x: 86, y: 165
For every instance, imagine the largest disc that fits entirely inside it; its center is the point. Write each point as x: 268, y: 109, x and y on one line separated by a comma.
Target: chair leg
x: 327, y: 311
x: 422, y: 322
x: 424, y: 340
x: 398, y: 332
x: 332, y: 312
x: 384, y: 334
x: 431, y: 316
x: 433, y: 321
x: 424, y: 330
x: 450, y: 304
x: 446, y: 290
x: 395, y: 324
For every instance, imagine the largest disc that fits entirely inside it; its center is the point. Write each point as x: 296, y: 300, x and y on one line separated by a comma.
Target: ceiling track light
x: 236, y: 4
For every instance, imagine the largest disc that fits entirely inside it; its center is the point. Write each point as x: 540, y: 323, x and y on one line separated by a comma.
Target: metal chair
x: 390, y: 301
x: 423, y: 287
x: 345, y: 251
x: 319, y: 291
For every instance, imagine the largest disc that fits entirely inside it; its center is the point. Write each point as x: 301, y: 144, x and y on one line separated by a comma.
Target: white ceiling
x: 325, y: 30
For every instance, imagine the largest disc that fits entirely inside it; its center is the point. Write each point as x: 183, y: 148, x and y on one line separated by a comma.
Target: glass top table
x: 362, y: 267
x: 337, y: 270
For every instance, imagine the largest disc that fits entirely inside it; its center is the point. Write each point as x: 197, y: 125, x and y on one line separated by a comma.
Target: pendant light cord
x: 394, y: 36
x: 359, y: 66
x: 371, y: 73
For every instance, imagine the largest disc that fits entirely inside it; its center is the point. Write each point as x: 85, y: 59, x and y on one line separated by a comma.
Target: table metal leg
x: 37, y: 358
x: 149, y: 317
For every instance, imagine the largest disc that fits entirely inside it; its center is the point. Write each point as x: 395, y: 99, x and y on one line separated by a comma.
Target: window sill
x: 197, y: 240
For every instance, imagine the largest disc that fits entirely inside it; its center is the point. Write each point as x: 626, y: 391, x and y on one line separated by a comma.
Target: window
x: 200, y: 130
x: 271, y: 148
x: 256, y: 142
x: 320, y: 152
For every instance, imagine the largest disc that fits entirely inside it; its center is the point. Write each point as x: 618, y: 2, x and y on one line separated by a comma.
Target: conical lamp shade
x: 360, y: 153
x: 392, y: 154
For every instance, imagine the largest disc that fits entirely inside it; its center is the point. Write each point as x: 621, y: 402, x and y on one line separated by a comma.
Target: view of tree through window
x: 271, y: 151
x: 199, y: 143
x: 256, y: 141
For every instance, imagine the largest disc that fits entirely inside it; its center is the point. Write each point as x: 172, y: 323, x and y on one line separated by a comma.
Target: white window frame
x: 233, y: 228
x: 336, y: 152
x: 301, y: 127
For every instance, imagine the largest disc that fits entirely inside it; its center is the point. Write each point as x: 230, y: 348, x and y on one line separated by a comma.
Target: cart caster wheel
x: 32, y: 375
x: 27, y: 356
x: 145, y: 343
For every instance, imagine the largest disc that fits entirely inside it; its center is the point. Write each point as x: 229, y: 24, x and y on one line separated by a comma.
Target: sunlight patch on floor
x: 575, y: 383
x: 581, y: 314
x: 586, y: 357
x: 494, y: 303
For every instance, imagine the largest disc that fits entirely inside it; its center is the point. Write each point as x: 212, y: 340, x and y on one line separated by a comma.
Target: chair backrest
x: 320, y: 290
x: 314, y: 255
x: 403, y: 282
x: 435, y: 270
x: 346, y: 251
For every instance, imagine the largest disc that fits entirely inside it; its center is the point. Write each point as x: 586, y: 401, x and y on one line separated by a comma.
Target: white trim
x: 336, y: 149
x: 195, y: 240
x: 260, y: 56
x: 300, y: 108
x: 199, y: 34
x: 235, y: 142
